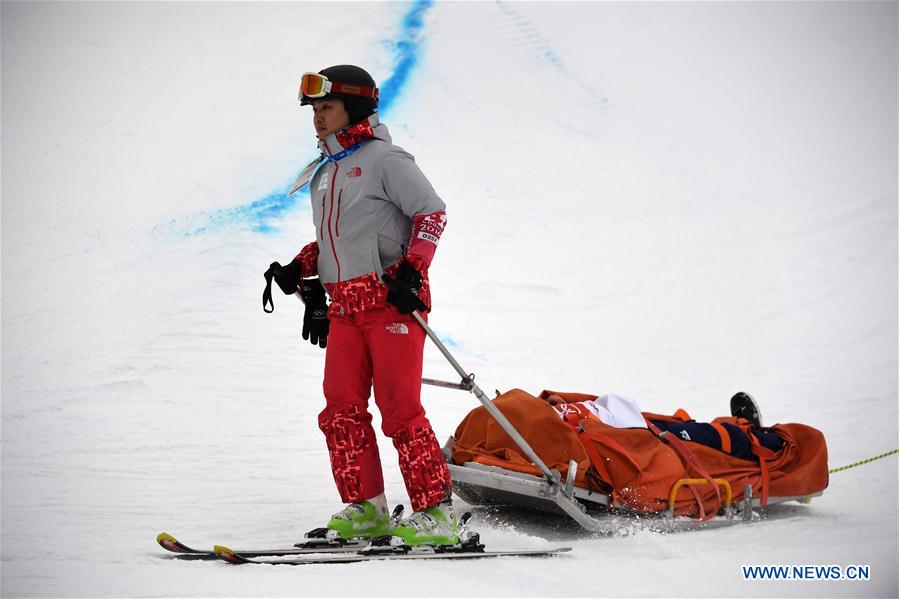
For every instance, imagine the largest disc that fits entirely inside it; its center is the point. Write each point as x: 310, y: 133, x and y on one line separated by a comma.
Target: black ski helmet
x: 356, y: 106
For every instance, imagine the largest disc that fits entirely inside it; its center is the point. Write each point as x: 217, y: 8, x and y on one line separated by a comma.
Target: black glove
x: 288, y: 277
x: 403, y: 291
x: 315, y: 318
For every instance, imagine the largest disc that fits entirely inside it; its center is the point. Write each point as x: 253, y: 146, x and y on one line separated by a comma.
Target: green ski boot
x: 431, y: 526
x: 360, y: 521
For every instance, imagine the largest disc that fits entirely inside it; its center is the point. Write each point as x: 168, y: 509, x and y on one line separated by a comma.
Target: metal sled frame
x: 482, y: 484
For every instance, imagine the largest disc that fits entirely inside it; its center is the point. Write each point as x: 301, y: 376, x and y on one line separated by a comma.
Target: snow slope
x: 670, y: 201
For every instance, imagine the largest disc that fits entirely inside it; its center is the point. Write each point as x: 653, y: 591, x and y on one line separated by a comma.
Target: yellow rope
x: 877, y: 457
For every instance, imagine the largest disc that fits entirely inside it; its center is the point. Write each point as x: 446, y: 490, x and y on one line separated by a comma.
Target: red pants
x: 383, y: 347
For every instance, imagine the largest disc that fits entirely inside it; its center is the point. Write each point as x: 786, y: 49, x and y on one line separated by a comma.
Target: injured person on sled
x: 734, y: 438
x: 638, y: 459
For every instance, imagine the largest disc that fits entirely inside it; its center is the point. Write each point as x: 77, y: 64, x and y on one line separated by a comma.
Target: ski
x: 317, y: 540
x: 322, y: 547
x: 182, y: 551
x: 384, y: 553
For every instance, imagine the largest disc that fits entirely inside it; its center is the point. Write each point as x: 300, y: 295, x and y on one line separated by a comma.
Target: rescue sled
x: 492, y: 463
x: 483, y: 485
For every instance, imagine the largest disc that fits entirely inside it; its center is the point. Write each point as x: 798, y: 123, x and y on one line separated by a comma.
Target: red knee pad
x: 423, y: 466
x: 353, y: 451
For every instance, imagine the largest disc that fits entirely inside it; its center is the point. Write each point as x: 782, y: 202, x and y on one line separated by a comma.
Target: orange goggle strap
x: 315, y: 85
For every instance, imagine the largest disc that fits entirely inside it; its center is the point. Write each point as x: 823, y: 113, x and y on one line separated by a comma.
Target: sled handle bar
x: 469, y: 384
x: 466, y: 386
x: 561, y: 495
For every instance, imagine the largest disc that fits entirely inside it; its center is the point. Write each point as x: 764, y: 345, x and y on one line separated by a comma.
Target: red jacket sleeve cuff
x: 418, y: 263
x: 426, y: 232
x: 308, y: 259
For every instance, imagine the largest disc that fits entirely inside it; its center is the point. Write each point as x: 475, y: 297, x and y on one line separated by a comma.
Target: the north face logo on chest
x: 323, y: 183
x: 354, y: 172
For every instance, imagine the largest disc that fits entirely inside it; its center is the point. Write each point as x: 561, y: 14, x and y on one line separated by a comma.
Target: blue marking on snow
x: 447, y: 340
x: 543, y: 51
x: 451, y: 343
x: 407, y: 49
x: 260, y: 214
x: 540, y: 46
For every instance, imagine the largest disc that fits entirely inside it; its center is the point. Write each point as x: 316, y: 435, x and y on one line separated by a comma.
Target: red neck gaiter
x: 355, y: 133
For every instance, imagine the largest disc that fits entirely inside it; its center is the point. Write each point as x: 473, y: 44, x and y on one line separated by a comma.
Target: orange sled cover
x: 632, y: 465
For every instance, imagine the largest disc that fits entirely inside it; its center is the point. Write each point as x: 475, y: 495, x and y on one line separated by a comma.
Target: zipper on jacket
x: 337, y: 222
x: 330, y: 212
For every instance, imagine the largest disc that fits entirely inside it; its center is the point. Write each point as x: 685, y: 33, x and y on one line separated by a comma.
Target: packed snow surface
x: 669, y: 201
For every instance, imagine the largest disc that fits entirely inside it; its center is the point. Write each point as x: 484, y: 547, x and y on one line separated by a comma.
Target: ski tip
x: 228, y: 555
x: 170, y: 543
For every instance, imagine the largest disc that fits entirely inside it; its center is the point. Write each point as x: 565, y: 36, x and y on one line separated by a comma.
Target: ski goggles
x: 316, y: 85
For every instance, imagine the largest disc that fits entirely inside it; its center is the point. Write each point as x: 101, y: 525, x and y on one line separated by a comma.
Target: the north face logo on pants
x: 398, y: 328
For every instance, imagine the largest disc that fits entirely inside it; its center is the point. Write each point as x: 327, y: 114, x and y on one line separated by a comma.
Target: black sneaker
x: 743, y: 406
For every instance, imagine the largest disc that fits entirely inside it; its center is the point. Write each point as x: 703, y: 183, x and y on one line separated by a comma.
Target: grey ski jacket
x: 371, y: 206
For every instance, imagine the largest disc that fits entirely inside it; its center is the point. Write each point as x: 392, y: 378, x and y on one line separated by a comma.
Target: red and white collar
x: 349, y: 136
